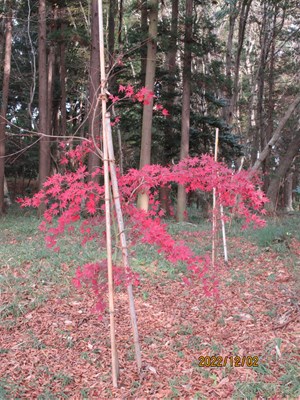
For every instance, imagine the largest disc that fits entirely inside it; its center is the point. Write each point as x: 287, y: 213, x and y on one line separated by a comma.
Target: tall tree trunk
x: 276, y: 134
x: 227, y: 111
x: 144, y: 31
x: 44, y: 156
x: 288, y: 192
x: 245, y: 8
x: 169, y: 131
x: 5, y: 88
x: 120, y: 28
x: 113, y: 9
x: 271, y: 103
x: 62, y: 74
x: 145, y: 157
x: 186, y: 100
x: 171, y: 67
x: 94, y: 88
x: 281, y: 171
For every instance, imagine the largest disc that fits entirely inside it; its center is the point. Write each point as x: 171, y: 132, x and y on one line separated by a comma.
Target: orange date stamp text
x: 230, y: 361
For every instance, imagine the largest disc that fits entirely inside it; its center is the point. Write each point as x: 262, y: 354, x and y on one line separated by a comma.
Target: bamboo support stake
x: 221, y: 212
x: 114, y: 354
x: 116, y: 196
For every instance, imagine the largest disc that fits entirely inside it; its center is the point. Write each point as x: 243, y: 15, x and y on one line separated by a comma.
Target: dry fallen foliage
x: 63, y: 348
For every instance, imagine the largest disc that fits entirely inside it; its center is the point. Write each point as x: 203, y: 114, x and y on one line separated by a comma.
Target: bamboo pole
x: 116, y: 196
x: 221, y: 212
x: 114, y: 354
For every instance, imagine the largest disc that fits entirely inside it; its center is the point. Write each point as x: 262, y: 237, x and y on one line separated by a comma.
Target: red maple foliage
x: 70, y: 197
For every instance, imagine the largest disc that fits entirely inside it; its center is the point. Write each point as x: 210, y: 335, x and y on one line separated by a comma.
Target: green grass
x: 29, y: 271
x: 250, y: 390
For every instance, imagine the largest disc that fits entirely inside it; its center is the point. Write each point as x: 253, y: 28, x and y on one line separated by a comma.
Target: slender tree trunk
x: 281, y: 171
x: 120, y: 28
x: 245, y: 8
x: 271, y: 103
x: 44, y: 160
x: 227, y: 111
x: 145, y: 157
x: 5, y: 88
x: 169, y: 131
x: 186, y: 100
x: 144, y: 31
x: 94, y: 88
x: 63, y: 74
x: 113, y: 10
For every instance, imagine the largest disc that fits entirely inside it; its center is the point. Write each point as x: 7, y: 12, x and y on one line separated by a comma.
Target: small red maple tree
x: 70, y: 197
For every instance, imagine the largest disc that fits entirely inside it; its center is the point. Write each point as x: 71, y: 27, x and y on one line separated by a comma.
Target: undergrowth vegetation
x: 31, y: 276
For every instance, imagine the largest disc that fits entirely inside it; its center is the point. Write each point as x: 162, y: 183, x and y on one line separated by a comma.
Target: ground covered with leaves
x: 53, y: 347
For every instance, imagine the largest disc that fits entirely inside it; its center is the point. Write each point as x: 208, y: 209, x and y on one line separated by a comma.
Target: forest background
x: 230, y: 64
x: 178, y: 74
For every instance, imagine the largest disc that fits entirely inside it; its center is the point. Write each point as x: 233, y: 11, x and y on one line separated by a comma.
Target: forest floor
x: 53, y: 347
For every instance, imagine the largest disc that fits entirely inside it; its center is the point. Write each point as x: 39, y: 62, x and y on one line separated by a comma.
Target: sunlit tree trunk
x: 186, y: 100
x: 44, y: 155
x: 5, y: 88
x: 145, y: 157
x: 94, y: 87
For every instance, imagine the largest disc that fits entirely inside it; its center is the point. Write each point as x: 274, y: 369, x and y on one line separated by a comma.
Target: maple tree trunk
x: 186, y: 99
x: 94, y: 89
x: 5, y: 88
x: 281, y: 171
x: 44, y: 154
x: 145, y: 157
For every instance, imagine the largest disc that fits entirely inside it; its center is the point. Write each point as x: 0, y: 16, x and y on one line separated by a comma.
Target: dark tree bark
x: 169, y: 132
x: 63, y: 74
x: 94, y: 88
x: 5, y: 88
x: 113, y: 10
x: 44, y: 156
x: 186, y: 100
x: 280, y: 173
